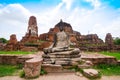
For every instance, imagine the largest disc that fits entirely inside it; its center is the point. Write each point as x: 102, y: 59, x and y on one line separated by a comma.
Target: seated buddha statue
x: 61, y: 42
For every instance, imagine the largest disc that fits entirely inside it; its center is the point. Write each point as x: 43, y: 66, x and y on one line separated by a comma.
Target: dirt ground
x: 60, y: 76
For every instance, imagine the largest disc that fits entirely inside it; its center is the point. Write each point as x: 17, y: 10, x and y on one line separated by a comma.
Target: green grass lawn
x: 8, y: 70
x: 108, y: 70
x: 115, y: 54
x: 15, y: 52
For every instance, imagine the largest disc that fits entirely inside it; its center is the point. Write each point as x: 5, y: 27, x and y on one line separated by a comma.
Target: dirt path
x: 60, y: 76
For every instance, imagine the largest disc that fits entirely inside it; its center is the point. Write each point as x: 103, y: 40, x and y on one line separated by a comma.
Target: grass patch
x: 115, y: 54
x: 8, y: 70
x: 15, y: 52
x: 108, y: 70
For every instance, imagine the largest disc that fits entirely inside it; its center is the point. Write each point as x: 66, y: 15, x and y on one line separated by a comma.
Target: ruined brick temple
x: 73, y: 35
x: 29, y: 41
x: 33, y: 41
x: 32, y: 31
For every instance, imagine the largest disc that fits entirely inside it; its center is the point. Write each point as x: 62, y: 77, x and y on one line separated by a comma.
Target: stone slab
x: 52, y: 68
x: 97, y: 58
x: 64, y: 52
x: 60, y: 62
x: 91, y: 73
x: 60, y: 56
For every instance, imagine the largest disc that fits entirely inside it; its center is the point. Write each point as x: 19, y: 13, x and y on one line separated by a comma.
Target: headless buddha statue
x: 61, y: 42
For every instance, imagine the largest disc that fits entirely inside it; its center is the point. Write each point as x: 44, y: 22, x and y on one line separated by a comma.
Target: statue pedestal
x: 61, y: 58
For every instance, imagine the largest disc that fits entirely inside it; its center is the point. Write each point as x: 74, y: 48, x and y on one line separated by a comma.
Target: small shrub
x: 117, y: 41
x: 3, y: 40
x: 42, y: 72
x: 31, y: 44
x: 22, y: 74
x: 41, y: 41
x: 76, y: 69
x: 20, y: 66
x: 81, y: 61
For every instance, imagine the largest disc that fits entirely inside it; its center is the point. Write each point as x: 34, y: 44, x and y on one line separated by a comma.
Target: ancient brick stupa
x: 12, y: 44
x: 73, y: 35
x: 109, y: 41
x: 32, y: 31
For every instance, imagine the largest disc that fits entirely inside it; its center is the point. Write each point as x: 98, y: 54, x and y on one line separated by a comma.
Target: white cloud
x: 94, y: 3
x: 113, y: 27
x: 68, y: 3
x: 13, y: 19
x: 102, y: 20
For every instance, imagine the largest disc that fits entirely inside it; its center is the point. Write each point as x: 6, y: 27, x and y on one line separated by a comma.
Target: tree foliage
x: 3, y: 40
x: 117, y: 41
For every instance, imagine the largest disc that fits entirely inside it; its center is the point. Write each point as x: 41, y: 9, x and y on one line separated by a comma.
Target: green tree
x: 117, y: 41
x: 3, y: 40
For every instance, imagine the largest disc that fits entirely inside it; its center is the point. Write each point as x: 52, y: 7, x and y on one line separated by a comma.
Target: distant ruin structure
x: 12, y: 44
x: 109, y: 39
x: 32, y: 41
x: 89, y: 42
x: 32, y: 26
x: 32, y: 31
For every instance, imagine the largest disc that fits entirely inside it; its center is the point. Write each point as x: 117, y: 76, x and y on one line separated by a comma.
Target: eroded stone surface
x: 91, y: 73
x: 32, y: 68
x: 52, y: 68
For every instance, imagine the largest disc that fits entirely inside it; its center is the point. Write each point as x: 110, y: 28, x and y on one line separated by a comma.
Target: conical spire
x: 61, y: 20
x: 61, y: 23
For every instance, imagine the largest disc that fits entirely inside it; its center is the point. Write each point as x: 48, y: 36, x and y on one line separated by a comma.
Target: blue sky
x: 86, y: 16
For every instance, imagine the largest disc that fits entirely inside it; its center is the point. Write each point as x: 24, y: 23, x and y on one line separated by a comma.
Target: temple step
x: 60, y: 56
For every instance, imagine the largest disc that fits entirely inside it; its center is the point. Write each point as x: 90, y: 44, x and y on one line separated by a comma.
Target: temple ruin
x: 32, y: 32
x: 34, y: 41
